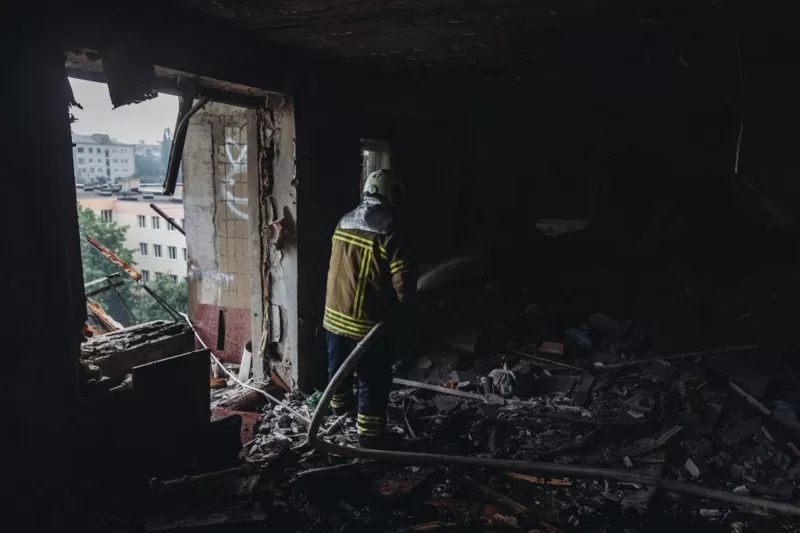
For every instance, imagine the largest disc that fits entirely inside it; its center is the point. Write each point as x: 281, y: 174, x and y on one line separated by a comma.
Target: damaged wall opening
x: 119, y: 158
x: 197, y: 251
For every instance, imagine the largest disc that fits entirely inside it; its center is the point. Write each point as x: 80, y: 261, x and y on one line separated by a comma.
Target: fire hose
x: 529, y: 467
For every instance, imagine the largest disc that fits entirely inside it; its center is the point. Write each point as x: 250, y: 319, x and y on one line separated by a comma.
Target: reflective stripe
x: 339, y: 325
x: 349, y: 321
x: 397, y: 266
x: 350, y: 241
x: 333, y: 328
x: 352, y: 330
x: 364, y: 432
x: 355, y: 237
x: 344, y: 317
x: 362, y: 283
x: 361, y: 240
x: 370, y: 419
x: 384, y: 255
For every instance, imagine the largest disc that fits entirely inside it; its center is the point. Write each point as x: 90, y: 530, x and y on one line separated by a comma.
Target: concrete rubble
x: 676, y: 418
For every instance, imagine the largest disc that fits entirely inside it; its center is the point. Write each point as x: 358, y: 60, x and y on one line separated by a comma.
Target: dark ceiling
x: 545, y: 35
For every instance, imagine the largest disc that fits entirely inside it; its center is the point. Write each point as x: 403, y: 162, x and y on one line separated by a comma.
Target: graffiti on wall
x: 235, y: 172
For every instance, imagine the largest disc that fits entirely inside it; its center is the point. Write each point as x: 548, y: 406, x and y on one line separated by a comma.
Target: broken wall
x: 217, y: 212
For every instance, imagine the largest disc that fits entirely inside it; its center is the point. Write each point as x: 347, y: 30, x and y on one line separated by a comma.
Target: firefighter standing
x: 370, y: 276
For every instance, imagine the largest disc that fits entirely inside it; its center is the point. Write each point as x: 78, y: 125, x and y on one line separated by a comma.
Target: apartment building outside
x: 159, y: 249
x: 100, y: 156
x: 147, y: 150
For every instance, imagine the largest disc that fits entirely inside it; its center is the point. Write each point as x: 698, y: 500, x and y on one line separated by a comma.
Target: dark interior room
x: 446, y: 266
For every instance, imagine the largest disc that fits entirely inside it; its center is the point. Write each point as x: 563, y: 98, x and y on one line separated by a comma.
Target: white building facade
x: 159, y: 249
x: 147, y: 150
x: 100, y: 156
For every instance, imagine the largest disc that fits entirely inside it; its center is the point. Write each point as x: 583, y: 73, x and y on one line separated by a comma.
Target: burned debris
x: 633, y: 441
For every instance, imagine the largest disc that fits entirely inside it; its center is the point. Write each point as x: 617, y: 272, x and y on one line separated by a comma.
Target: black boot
x: 347, y: 409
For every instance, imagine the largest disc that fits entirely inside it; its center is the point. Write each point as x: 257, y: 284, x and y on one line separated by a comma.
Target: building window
x: 185, y: 255
x: 183, y: 224
x: 91, y: 170
x: 173, y: 252
x: 170, y: 227
x: 174, y: 278
x: 83, y: 171
x: 80, y: 160
x: 80, y: 150
x: 90, y: 160
x: 113, y: 160
x: 143, y: 248
x: 106, y: 215
x: 90, y: 151
x: 156, y: 222
x: 145, y: 275
x: 157, y: 250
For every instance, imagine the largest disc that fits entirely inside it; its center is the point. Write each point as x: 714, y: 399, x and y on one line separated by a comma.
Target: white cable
x: 230, y: 374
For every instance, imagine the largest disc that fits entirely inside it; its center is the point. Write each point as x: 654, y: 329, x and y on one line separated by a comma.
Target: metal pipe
x: 168, y: 218
x: 176, y: 150
x: 699, y: 353
x: 441, y: 390
x: 532, y: 467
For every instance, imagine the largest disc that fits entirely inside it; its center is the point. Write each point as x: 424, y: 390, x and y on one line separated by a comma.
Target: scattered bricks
x: 693, y: 468
x: 465, y: 379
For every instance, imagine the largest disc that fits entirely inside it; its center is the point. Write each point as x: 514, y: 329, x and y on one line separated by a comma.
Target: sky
x: 129, y: 124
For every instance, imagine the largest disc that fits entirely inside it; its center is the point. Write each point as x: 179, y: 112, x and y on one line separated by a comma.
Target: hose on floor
x: 529, y: 467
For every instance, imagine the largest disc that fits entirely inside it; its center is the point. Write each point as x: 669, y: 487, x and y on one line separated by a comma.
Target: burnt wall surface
x: 43, y: 280
x: 328, y: 132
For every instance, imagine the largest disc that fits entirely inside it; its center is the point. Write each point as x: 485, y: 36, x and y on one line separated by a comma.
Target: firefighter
x: 370, y: 277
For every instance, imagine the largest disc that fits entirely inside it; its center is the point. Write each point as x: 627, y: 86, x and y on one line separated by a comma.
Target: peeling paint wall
x: 278, y: 204
x: 216, y: 190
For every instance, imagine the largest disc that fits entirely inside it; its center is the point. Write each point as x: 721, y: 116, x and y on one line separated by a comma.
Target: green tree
x: 96, y: 266
x: 109, y: 234
x: 175, y: 293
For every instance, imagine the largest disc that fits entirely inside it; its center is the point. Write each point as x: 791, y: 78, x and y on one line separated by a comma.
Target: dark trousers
x: 374, y: 382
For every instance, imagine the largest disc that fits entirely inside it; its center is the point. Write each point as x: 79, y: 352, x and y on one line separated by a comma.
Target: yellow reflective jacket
x: 370, y: 272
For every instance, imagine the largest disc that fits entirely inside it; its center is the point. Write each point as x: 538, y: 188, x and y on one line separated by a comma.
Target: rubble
x: 617, y: 439
x: 117, y: 352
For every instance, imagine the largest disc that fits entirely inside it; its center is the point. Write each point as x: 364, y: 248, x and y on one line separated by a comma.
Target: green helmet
x: 384, y: 185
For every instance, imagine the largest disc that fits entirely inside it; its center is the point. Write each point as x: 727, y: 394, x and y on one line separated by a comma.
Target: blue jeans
x: 374, y: 382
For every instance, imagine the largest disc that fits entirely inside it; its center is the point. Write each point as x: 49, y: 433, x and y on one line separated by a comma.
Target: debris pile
x: 723, y: 418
